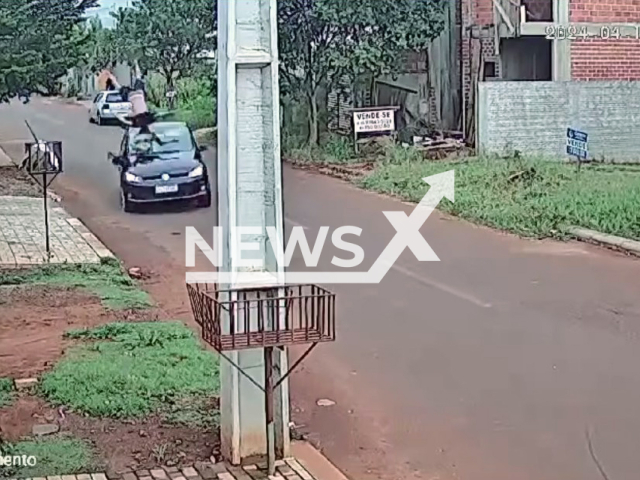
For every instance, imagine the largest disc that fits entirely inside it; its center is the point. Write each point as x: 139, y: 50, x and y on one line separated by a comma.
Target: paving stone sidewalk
x: 22, y: 235
x: 289, y: 469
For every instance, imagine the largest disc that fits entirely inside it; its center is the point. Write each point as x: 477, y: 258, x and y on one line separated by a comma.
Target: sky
x: 105, y: 7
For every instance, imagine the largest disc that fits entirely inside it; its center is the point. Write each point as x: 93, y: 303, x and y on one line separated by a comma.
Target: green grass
x: 107, y: 280
x: 533, y: 198
x: 6, y: 392
x: 58, y: 455
x: 334, y: 150
x: 132, y: 370
x: 192, y: 411
x: 198, y: 112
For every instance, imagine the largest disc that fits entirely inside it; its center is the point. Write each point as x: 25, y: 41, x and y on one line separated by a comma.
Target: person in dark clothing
x: 110, y: 86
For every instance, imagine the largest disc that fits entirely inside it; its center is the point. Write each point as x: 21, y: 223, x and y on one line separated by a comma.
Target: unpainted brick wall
x: 533, y: 117
x: 599, y: 59
x: 477, y: 13
x: 604, y: 11
x: 483, y: 12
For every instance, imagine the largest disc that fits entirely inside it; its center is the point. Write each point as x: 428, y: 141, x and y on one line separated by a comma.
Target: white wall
x: 533, y: 117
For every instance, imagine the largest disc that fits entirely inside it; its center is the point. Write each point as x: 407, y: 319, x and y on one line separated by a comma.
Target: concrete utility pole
x: 250, y: 195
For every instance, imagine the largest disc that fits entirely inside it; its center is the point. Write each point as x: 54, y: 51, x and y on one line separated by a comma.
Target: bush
x: 195, y: 103
x: 198, y: 112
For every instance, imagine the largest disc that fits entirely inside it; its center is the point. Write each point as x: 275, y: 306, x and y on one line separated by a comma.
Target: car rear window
x: 175, y: 139
x: 114, y: 98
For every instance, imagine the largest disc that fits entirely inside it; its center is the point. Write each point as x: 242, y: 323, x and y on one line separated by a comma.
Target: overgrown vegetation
x: 57, y: 455
x: 29, y: 60
x: 6, y: 392
x: 107, y: 280
x: 125, y: 370
x: 334, y: 150
x: 195, y: 102
x: 324, y: 43
x: 530, y: 197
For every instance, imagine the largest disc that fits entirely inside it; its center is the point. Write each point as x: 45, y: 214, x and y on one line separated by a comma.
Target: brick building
x: 549, y: 40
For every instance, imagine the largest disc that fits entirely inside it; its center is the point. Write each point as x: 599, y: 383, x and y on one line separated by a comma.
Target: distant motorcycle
x: 24, y: 96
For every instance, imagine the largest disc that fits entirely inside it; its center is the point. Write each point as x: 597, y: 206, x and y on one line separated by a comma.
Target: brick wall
x: 596, y: 59
x: 478, y: 13
x: 533, y: 117
x: 604, y: 11
x: 605, y: 59
x: 483, y: 12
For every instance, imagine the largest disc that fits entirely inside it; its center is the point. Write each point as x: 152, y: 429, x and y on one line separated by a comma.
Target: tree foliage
x: 322, y: 41
x: 168, y: 36
x: 103, y: 49
x: 39, y: 41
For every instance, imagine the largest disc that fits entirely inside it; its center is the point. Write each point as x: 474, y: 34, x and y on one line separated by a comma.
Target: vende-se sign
x: 374, y: 121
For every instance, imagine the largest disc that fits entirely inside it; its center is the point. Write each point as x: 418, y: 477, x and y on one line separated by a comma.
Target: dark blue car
x: 168, y: 169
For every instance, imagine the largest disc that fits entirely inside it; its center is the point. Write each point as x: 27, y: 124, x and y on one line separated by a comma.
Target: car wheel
x: 205, y: 202
x: 91, y: 120
x: 99, y: 120
x: 125, y: 203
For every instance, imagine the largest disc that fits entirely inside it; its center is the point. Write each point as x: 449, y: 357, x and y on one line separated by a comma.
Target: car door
x: 94, y: 106
x: 124, y: 144
x: 123, y: 153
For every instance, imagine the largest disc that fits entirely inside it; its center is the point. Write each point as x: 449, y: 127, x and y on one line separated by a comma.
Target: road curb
x: 618, y: 243
x: 315, y: 462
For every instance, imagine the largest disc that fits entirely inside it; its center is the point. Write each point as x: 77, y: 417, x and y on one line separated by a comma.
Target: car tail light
x: 105, y: 106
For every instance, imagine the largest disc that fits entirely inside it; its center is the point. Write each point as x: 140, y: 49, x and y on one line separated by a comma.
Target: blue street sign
x: 577, y: 144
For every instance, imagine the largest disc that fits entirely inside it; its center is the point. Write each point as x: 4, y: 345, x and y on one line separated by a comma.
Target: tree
x: 322, y: 41
x: 168, y: 35
x: 39, y: 41
x: 103, y: 49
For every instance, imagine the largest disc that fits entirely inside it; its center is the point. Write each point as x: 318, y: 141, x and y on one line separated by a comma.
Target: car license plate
x: 166, y: 188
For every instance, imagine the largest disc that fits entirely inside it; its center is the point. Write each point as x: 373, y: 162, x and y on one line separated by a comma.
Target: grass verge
x: 132, y: 370
x: 530, y: 197
x: 107, y: 280
x: 6, y: 392
x: 59, y: 455
x: 335, y: 150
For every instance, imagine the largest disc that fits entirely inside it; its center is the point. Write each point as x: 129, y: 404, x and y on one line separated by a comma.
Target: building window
x: 489, y: 70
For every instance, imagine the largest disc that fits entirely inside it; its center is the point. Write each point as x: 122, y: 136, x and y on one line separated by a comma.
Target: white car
x: 107, y: 106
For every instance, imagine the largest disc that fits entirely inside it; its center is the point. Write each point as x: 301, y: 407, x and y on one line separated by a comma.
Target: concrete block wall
x: 533, y: 117
x: 605, y: 58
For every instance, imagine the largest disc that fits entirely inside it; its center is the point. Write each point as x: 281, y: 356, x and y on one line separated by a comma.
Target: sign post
x: 374, y: 120
x: 577, y: 145
x: 43, y: 162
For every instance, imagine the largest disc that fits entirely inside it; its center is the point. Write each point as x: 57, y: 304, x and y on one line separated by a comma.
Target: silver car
x: 107, y: 106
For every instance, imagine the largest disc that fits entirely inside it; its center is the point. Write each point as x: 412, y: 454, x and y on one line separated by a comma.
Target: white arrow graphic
x: 407, y: 236
x: 408, y: 227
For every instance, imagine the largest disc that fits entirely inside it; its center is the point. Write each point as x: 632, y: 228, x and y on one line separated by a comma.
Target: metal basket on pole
x: 264, y: 317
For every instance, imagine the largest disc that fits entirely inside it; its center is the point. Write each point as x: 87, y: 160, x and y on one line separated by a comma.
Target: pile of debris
x: 347, y: 172
x: 442, y: 145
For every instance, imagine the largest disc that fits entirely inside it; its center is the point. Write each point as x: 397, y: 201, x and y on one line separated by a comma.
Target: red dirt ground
x: 140, y: 445
x: 33, y: 322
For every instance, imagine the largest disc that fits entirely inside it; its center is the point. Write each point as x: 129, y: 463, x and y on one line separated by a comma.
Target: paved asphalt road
x: 492, y: 364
